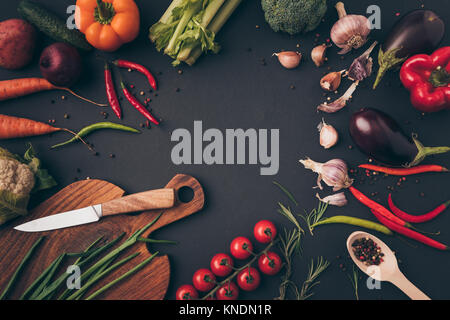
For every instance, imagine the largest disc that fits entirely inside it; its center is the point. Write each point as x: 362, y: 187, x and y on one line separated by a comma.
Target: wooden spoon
x: 387, y: 270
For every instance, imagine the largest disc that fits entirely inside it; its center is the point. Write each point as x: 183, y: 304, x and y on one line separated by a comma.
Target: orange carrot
x: 14, y: 127
x: 15, y: 88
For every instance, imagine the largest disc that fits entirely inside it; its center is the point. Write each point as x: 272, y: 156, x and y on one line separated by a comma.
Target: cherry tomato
x: 264, y: 231
x: 203, y: 280
x: 241, y: 248
x: 248, y: 279
x: 269, y: 263
x: 186, y: 292
x: 228, y: 291
x: 222, y: 264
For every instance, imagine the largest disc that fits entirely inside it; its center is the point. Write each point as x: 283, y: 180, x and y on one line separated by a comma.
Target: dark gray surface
x: 234, y: 90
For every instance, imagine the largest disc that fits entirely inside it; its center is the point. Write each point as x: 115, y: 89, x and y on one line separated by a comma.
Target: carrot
x: 15, y: 88
x: 14, y: 127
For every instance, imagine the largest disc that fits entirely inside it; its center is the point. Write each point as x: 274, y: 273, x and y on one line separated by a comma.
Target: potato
x: 17, y: 42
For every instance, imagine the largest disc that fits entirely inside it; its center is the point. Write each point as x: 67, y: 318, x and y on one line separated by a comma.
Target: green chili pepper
x: 94, y: 127
x: 355, y: 222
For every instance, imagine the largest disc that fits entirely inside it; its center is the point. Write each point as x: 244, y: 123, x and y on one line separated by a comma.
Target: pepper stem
x: 386, y: 61
x: 439, y: 77
x: 423, y: 152
x: 104, y: 12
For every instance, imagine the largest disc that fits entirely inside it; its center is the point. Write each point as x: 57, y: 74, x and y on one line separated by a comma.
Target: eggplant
x: 378, y: 135
x: 419, y: 31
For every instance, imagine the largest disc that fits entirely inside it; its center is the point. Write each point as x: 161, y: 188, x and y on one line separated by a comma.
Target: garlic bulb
x: 328, y: 135
x: 350, y: 31
x: 337, y: 199
x: 289, y: 59
x: 333, y: 172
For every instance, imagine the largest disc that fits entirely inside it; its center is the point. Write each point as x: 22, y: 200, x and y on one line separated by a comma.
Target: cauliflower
x: 16, y: 177
x: 19, y: 177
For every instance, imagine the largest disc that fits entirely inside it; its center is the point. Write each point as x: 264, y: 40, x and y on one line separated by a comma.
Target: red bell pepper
x: 427, y: 77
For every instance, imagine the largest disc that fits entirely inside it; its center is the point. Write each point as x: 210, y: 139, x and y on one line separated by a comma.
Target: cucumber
x: 52, y: 25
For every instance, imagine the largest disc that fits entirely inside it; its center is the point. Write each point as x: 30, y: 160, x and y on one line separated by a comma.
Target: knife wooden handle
x: 147, y: 200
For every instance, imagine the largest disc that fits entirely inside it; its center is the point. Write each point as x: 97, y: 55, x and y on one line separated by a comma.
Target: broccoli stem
x: 187, y: 16
x: 210, y: 11
x: 216, y: 24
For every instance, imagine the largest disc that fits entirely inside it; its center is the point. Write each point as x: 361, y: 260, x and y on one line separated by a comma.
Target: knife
x: 147, y: 200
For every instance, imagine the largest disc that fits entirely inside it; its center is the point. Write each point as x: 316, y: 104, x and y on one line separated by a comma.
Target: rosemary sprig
x: 354, y: 278
x: 314, y: 272
x: 315, y: 216
x: 289, y: 247
x: 286, y: 191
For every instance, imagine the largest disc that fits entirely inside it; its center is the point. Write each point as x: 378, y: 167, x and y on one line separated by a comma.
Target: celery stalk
x: 216, y: 24
x: 210, y: 11
x: 187, y: 16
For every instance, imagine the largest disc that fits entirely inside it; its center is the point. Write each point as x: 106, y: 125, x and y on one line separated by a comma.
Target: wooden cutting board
x: 149, y: 283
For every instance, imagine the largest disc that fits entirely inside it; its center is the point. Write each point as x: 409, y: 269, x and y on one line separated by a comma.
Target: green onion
x: 127, y: 274
x: 77, y: 295
x: 19, y: 269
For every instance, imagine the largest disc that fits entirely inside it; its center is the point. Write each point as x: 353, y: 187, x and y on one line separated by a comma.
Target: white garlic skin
x: 328, y: 135
x: 350, y: 31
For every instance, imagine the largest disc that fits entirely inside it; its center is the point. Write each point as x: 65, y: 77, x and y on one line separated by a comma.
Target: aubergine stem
x: 386, y: 61
x: 422, y: 152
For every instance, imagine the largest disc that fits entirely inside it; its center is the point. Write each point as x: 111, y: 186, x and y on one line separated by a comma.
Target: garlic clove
x: 331, y: 81
x: 289, y: 59
x: 318, y: 54
x: 328, y: 136
x: 337, y: 199
x: 350, y: 31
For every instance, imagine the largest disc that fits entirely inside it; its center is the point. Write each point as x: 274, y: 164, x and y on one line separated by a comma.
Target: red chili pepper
x: 111, y: 92
x: 138, y: 67
x: 428, y: 80
x: 135, y: 102
x: 416, y: 219
x: 405, y: 171
x: 409, y: 233
x: 378, y: 207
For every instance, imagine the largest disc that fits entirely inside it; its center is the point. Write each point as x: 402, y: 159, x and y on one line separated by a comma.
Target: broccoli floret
x: 294, y: 16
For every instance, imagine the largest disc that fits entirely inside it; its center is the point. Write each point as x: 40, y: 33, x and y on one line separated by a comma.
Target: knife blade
x: 148, y: 200
x: 63, y: 220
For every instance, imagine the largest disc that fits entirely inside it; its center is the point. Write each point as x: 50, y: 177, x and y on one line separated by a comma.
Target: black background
x: 235, y: 90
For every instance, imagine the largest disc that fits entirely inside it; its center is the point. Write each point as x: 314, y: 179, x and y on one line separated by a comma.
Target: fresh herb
x: 289, y: 247
x: 354, y: 277
x: 286, y: 191
x: 290, y: 216
x: 314, y: 272
x: 315, y: 216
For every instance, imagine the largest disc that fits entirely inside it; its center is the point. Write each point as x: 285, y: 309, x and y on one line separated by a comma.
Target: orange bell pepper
x: 107, y: 24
